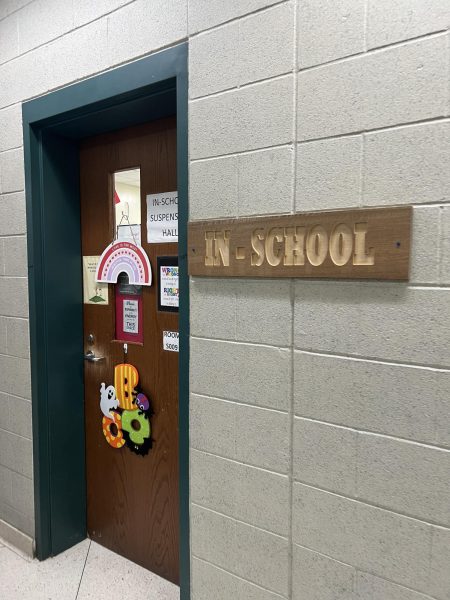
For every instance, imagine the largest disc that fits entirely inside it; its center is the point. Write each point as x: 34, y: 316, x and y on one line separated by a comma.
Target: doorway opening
x: 144, y: 91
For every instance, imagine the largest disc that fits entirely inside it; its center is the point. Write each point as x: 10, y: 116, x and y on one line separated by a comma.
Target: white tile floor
x: 85, y: 572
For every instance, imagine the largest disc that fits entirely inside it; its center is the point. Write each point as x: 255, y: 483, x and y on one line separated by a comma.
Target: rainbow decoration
x: 124, y: 257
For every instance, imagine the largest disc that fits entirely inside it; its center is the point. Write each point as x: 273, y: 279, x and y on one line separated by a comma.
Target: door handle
x: 90, y: 356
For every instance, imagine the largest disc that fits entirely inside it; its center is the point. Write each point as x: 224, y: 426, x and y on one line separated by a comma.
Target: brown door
x: 132, y: 498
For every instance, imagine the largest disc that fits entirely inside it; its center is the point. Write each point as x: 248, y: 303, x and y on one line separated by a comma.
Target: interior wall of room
x: 320, y: 446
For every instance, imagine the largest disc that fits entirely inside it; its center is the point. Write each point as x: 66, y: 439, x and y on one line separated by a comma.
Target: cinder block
x: 55, y: 17
x: 255, y: 496
x: 11, y: 127
x: 330, y: 100
x: 425, y: 245
x: 329, y: 30
x: 85, y: 10
x: 318, y: 577
x: 266, y: 43
x: 370, y: 396
x: 91, y: 55
x: 16, y: 453
x: 211, y: 582
x: 389, y: 22
x: 407, y: 165
x: 329, y: 174
x: 33, y: 80
x: 4, y: 411
x: 442, y: 419
x: 371, y: 539
x: 12, y: 170
x: 347, y: 96
x: 258, y: 375
x: 439, y: 585
x: 23, y: 523
x: 20, y: 417
x: 18, y: 337
x: 16, y: 260
x: 12, y: 214
x: 213, y: 188
x: 5, y: 485
x: 375, y: 320
x: 212, y: 425
x: 142, y: 27
x: 256, y: 436
x: 415, y: 74
x: 14, y: 297
x: 3, y: 336
x: 264, y: 312
x: 404, y: 477
x: 203, y: 15
x: 262, y: 438
x: 213, y: 308
x: 22, y: 494
x: 16, y: 378
x: 375, y: 588
x: 214, y: 61
x: 256, y: 116
x: 9, y: 40
x: 9, y: 6
x: 445, y: 245
x: 265, y: 182
x: 228, y: 544
x: 325, y: 456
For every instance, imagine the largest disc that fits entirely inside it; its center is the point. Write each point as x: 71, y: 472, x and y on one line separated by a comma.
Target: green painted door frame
x: 144, y: 90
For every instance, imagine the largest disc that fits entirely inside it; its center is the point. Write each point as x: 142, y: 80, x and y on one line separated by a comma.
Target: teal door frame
x: 144, y: 90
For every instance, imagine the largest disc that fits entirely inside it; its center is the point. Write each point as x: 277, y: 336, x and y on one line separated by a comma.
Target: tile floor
x: 85, y: 572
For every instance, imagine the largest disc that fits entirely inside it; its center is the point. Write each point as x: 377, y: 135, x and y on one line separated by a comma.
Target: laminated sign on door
x: 126, y: 411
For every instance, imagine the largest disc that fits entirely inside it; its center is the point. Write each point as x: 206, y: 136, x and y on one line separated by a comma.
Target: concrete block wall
x: 320, y: 410
x: 320, y: 441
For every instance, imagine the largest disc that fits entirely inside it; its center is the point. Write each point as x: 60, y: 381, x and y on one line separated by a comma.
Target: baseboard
x: 16, y: 538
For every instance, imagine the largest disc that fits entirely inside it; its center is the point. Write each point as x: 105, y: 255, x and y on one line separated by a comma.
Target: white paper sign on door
x: 171, y: 341
x: 162, y: 218
x: 130, y: 316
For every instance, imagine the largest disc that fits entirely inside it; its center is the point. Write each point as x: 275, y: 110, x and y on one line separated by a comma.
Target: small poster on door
x: 131, y: 316
x: 93, y: 292
x: 162, y: 218
x: 168, y: 286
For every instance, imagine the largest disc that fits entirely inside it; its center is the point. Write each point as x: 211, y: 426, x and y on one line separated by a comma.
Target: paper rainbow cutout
x: 124, y: 257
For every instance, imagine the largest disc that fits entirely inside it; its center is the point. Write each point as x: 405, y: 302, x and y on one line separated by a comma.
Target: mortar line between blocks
x: 257, y: 585
x: 376, y: 50
x: 372, y: 432
x: 234, y: 19
x: 365, y: 571
x: 370, y: 504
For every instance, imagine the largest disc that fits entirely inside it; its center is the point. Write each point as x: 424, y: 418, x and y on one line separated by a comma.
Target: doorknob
x: 90, y: 356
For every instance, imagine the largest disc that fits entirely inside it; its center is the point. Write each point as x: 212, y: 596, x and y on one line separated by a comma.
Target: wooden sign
x: 369, y: 243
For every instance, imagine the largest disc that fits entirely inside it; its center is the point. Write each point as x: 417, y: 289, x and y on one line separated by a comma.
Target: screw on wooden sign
x: 353, y: 244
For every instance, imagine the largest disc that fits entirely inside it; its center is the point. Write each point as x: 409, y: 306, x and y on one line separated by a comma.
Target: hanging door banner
x: 162, y: 218
x: 124, y: 257
x: 93, y: 291
x: 369, y: 243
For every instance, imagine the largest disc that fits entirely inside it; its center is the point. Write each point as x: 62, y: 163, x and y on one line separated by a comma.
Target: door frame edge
x: 134, y: 79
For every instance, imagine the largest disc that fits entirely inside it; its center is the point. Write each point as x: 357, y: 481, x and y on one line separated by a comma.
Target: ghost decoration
x: 108, y: 400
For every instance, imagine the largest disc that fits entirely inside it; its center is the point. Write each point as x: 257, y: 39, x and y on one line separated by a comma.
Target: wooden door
x: 132, y: 500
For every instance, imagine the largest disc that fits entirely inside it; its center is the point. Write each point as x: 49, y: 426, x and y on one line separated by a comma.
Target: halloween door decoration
x: 126, y: 411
